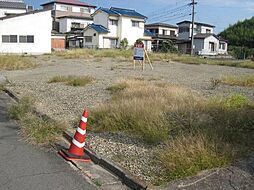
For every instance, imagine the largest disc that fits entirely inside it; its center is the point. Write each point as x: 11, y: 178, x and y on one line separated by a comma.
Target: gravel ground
x: 67, y: 103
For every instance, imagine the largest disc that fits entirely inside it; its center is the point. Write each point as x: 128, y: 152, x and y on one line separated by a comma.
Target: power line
x: 170, y: 12
x: 166, y: 9
x: 174, y: 18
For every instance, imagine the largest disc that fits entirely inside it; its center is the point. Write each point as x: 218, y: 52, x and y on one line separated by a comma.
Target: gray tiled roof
x: 12, y: 4
x: 204, y: 35
x: 197, y: 23
x: 162, y: 25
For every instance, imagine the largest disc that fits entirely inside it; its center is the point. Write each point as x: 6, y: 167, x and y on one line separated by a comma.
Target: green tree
x: 240, y: 37
x: 168, y: 46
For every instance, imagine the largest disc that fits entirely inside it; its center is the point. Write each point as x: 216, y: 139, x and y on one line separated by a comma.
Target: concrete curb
x: 126, y: 179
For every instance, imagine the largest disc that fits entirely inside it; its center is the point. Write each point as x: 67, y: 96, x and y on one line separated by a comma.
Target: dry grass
x: 15, y: 62
x: 91, y: 53
x: 2, y: 87
x: 238, y: 81
x: 187, y: 155
x: 126, y: 56
x: 35, y: 129
x: 196, y: 133
x: 199, y: 60
x: 72, y: 80
x: 40, y: 131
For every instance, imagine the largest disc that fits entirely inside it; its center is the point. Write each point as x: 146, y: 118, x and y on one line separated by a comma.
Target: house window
x: 113, y: 43
x: 22, y: 39
x: 172, y: 33
x: 26, y: 39
x: 9, y: 38
x: 184, y: 29
x: 5, y: 39
x: 113, y: 22
x: 164, y: 32
x: 208, y: 31
x: 212, y: 46
x: 84, y: 10
x: 75, y: 25
x: 13, y: 39
x: 64, y: 8
x: 88, y: 39
x: 135, y: 23
x: 222, y: 46
x: 30, y: 39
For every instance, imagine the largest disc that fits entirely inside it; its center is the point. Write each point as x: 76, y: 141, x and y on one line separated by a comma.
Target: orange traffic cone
x: 76, y: 150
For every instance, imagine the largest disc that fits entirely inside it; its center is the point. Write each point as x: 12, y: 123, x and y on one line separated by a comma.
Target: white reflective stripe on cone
x: 81, y: 131
x: 78, y: 144
x: 83, y: 119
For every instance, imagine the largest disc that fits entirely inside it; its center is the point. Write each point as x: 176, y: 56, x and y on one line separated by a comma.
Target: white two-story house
x: 162, y: 32
x: 11, y: 7
x: 113, y: 25
x: 68, y: 14
x: 205, y: 41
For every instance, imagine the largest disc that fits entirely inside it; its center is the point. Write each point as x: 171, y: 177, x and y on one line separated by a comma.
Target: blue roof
x: 122, y: 12
x: 128, y: 12
x: 106, y: 10
x: 148, y: 33
x: 99, y: 28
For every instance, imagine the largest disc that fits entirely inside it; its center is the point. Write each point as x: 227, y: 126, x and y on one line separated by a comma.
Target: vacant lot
x: 127, y: 101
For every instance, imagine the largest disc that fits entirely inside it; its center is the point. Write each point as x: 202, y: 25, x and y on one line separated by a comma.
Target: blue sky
x: 220, y: 13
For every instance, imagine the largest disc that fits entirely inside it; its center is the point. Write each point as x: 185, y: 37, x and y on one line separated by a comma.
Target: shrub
x: 168, y: 46
x: 72, y: 80
x: 124, y: 44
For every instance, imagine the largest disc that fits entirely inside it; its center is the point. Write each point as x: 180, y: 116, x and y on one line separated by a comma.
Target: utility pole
x: 193, y: 3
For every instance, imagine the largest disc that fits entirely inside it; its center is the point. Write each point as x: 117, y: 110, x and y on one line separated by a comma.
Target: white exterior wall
x: 10, y: 11
x: 124, y: 29
x: 197, y: 29
x: 224, y: 51
x: 75, y: 9
x: 204, y: 28
x: 130, y: 32
x: 199, y: 43
x: 38, y: 24
x: 114, y: 30
x: 65, y: 23
x: 167, y: 30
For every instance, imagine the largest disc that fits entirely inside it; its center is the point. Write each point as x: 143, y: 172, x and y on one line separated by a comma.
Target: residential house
x: 72, y: 23
x: 206, y: 43
x: 67, y: 13
x: 11, y: 7
x: 162, y: 32
x: 113, y: 25
x: 26, y: 33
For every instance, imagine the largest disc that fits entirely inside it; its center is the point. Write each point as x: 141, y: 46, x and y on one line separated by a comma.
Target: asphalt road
x: 27, y: 167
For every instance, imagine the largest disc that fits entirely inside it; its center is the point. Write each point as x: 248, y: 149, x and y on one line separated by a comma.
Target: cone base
x: 69, y: 157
